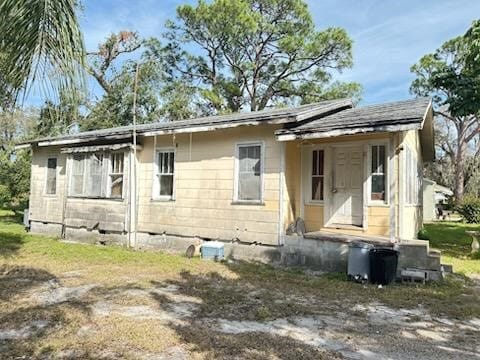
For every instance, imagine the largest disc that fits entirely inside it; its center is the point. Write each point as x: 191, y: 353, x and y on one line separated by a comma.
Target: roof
x: 438, y: 188
x: 394, y: 116
x: 270, y: 116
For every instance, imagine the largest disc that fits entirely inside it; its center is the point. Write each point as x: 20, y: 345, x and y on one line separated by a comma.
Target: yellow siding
x: 47, y: 208
x: 313, y: 217
x: 378, y: 220
x: 411, y: 215
x: 204, y: 188
x: 292, y: 193
x: 378, y: 217
x: 105, y: 214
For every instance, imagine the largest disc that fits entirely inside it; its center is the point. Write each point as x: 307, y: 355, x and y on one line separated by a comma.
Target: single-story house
x: 433, y: 194
x: 239, y: 178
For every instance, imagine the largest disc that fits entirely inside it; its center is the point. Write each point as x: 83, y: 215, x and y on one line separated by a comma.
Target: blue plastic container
x: 212, y: 250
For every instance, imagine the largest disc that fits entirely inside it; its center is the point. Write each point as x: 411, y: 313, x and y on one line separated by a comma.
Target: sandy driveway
x: 361, y: 331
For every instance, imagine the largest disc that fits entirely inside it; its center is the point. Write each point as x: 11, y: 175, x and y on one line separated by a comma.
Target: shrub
x: 469, y: 208
x: 5, y: 196
x: 423, y: 234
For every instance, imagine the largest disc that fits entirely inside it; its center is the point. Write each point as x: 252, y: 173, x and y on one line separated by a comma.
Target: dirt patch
x: 23, y: 332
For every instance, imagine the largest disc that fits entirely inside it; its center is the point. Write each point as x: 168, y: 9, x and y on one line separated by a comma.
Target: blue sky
x: 389, y: 36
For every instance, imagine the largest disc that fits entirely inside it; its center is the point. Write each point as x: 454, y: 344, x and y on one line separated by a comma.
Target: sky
x: 389, y: 35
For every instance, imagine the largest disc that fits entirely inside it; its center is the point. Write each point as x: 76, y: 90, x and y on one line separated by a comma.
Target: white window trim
x: 238, y: 145
x: 45, y: 190
x: 308, y: 191
x: 156, y: 181
x: 388, y: 173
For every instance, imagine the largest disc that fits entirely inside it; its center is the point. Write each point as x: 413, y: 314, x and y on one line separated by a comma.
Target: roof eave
x: 342, y: 132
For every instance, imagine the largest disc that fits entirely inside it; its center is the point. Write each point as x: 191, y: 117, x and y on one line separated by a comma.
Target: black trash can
x: 383, y: 265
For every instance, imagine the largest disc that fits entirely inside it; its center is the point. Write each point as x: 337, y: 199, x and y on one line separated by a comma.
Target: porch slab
x: 347, y: 238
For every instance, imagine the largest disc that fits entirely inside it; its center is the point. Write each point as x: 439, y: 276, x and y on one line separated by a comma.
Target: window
x: 165, y: 173
x: 89, y: 175
x: 116, y: 175
x: 94, y: 183
x: 51, y: 176
x: 78, y: 171
x: 317, y: 175
x: 378, y: 172
x: 413, y: 178
x: 249, y: 172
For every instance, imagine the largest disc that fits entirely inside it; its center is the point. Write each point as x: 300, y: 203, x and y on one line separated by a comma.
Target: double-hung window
x: 97, y: 175
x: 249, y: 173
x: 165, y: 174
x: 51, y: 186
x: 378, y: 173
x: 318, y: 176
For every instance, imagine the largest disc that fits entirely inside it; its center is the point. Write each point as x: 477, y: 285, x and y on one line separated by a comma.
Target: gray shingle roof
x: 382, y: 117
x: 270, y: 116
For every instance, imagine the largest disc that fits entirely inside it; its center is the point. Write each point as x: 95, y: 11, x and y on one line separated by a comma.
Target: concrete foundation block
x: 49, y: 229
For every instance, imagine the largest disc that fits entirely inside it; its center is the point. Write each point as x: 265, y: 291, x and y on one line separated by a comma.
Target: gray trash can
x: 359, y: 261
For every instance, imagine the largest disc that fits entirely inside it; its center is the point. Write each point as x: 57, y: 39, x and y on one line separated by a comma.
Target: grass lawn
x: 64, y: 300
x: 455, y: 245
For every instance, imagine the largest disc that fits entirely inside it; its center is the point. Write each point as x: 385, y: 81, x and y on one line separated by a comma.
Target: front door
x: 347, y: 190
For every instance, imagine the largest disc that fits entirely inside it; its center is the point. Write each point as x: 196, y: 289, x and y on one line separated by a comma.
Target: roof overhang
x: 204, y: 124
x: 427, y: 135
x: 346, y: 131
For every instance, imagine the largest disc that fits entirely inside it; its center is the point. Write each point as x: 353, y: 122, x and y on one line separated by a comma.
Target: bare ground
x: 233, y: 313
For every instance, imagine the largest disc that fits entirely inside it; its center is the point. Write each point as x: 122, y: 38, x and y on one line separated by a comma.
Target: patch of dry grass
x: 131, y: 281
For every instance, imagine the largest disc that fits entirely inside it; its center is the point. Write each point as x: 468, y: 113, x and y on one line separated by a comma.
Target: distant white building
x: 433, y: 194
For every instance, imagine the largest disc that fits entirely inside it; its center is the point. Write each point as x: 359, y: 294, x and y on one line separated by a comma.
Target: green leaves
x: 452, y: 74
x: 41, y: 40
x: 254, y: 53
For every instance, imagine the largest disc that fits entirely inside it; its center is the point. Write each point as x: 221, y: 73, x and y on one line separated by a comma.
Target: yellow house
x: 239, y: 178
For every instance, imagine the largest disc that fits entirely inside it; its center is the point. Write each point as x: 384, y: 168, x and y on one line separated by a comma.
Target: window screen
x: 249, y: 172
x: 78, y: 172
x: 166, y: 169
x: 51, y: 176
x: 93, y: 174
x: 317, y: 175
x: 94, y: 180
x: 116, y: 175
x: 379, y: 171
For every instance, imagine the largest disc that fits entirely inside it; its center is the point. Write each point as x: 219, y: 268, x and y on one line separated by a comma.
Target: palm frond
x: 41, y: 42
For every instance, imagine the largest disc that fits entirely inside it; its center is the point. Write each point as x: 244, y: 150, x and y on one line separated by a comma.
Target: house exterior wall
x: 411, y: 215
x: 43, y: 207
x: 378, y: 216
x: 428, y: 200
x: 204, y: 187
x: 75, y: 212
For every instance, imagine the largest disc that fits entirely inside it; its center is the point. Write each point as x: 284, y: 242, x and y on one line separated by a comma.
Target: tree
x: 41, y: 39
x: 115, y: 108
x: 15, y: 166
x: 101, y: 61
x: 257, y: 53
x: 449, y: 76
x: 57, y: 118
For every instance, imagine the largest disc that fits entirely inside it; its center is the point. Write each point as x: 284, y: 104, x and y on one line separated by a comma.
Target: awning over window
x: 96, y: 148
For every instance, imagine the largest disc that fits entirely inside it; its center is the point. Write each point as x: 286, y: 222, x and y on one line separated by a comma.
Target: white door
x: 347, y: 199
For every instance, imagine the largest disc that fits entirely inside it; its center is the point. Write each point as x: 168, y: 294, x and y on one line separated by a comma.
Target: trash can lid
x: 360, y: 244
x: 383, y: 251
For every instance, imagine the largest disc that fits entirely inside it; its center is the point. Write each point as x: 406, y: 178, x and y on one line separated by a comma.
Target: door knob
x: 334, y: 190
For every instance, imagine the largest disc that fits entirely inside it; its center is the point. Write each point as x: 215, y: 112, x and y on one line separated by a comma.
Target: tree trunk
x: 460, y: 168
